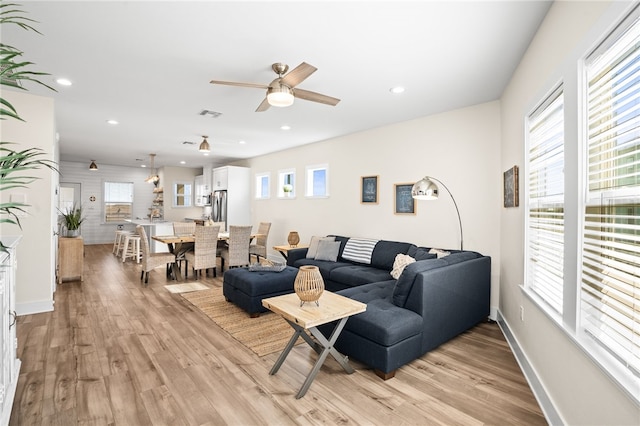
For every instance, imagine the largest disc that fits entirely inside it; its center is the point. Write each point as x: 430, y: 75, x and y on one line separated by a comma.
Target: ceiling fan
x: 282, y: 90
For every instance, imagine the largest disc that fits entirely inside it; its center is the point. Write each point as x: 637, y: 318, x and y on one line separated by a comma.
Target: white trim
x: 34, y: 307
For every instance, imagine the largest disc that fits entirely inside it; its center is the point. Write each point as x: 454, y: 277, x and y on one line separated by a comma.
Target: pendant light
x: 153, y: 177
x: 204, y: 145
x: 93, y: 166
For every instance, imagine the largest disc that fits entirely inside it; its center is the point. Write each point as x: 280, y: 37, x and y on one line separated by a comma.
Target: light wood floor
x: 116, y: 353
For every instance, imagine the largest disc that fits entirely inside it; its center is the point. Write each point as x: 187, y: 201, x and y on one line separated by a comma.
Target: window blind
x: 610, y: 283
x: 545, y: 201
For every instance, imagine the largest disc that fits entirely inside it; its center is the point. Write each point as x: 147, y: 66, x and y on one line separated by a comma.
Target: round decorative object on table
x: 309, y: 284
x: 293, y: 239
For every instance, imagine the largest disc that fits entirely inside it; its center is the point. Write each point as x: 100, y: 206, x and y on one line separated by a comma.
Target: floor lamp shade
x: 427, y: 189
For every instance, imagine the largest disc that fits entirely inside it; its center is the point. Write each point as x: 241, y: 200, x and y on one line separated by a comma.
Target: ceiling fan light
x: 204, y: 145
x: 280, y: 96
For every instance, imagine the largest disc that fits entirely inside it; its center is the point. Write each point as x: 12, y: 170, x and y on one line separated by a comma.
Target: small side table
x: 284, y: 249
x: 305, y: 319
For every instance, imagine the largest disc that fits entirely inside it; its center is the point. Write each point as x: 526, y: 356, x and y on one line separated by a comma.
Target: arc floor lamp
x: 426, y: 189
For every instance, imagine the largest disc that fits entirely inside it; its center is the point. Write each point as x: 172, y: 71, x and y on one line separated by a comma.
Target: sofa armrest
x: 296, y: 254
x: 451, y: 299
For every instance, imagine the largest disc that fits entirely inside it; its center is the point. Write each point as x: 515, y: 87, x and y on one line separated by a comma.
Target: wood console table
x: 70, y: 258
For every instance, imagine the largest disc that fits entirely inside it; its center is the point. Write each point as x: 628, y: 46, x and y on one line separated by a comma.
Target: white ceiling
x: 148, y: 65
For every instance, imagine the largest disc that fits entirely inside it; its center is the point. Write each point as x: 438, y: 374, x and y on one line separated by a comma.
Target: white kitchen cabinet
x: 220, y: 178
x: 10, y: 367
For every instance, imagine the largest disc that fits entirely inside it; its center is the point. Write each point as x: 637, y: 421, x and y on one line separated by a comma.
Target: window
x: 118, y: 201
x: 545, y: 202
x: 287, y: 183
x: 262, y: 185
x: 182, y: 194
x: 610, y: 271
x: 317, y: 184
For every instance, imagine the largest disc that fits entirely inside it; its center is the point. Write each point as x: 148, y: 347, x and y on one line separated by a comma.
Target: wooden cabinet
x: 70, y: 258
x: 9, y: 365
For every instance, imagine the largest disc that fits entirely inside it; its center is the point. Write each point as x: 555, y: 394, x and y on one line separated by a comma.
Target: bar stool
x: 118, y: 241
x: 131, y: 247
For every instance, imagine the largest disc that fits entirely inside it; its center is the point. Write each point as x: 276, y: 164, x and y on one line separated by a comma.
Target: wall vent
x: 212, y: 114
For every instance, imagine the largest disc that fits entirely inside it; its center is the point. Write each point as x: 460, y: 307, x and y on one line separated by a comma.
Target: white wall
x: 461, y: 148
x: 35, y: 280
x: 581, y: 392
x: 171, y: 175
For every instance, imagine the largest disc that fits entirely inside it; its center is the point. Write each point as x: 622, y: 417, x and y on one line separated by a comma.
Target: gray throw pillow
x: 313, y: 245
x: 328, y: 250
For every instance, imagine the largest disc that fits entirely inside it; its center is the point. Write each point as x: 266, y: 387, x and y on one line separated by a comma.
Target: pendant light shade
x: 93, y: 166
x: 204, y: 145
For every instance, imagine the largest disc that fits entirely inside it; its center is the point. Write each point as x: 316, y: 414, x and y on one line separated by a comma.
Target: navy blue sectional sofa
x: 432, y: 301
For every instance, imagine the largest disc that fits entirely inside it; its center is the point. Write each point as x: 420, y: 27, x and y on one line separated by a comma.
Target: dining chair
x: 236, y: 252
x: 221, y: 243
x: 203, y: 255
x: 260, y: 247
x: 150, y: 260
x: 183, y: 228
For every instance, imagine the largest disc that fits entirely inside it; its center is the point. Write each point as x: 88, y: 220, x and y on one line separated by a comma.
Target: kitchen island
x: 153, y: 228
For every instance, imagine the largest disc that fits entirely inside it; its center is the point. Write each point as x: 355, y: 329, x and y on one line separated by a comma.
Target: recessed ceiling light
x: 112, y: 122
x: 143, y: 165
x: 397, y: 89
x: 285, y: 127
x: 183, y: 162
x: 64, y: 82
x: 242, y: 142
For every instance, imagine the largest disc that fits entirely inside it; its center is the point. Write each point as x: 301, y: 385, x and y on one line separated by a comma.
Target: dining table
x: 179, y: 244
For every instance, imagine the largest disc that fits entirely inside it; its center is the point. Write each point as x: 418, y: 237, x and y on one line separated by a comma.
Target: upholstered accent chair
x: 203, y: 255
x: 236, y: 253
x: 260, y: 247
x: 150, y: 260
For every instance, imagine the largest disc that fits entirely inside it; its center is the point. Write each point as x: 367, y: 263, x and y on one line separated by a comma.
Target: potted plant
x: 71, y: 220
x: 288, y: 189
x: 14, y: 73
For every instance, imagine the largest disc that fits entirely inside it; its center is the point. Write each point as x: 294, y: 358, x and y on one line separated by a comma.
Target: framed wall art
x: 511, y: 195
x: 369, y: 190
x: 403, y: 201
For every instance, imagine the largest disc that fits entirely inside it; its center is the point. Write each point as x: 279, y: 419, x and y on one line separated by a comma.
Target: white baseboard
x: 34, y: 307
x: 550, y: 412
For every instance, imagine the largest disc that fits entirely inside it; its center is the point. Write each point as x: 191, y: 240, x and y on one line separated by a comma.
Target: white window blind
x: 118, y: 201
x: 610, y: 283
x: 545, y: 201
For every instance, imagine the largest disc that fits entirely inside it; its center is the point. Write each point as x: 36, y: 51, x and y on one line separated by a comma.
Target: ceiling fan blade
x: 233, y: 83
x: 298, y: 74
x: 263, y: 106
x: 315, y: 97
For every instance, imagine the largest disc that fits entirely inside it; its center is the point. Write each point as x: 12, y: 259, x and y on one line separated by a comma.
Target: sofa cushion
x: 405, y: 282
x: 402, y: 260
x: 354, y: 275
x: 328, y: 250
x: 313, y: 245
x: 385, y: 252
x: 421, y: 253
x: 382, y: 322
x: 324, y: 266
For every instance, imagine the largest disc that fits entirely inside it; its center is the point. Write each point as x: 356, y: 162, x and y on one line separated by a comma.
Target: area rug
x: 185, y: 287
x: 263, y: 335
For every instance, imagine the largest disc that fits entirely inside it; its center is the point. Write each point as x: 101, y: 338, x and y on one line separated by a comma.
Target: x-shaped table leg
x: 324, y: 348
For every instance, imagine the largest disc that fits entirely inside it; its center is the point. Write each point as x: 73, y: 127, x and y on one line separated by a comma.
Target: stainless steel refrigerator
x: 219, y: 206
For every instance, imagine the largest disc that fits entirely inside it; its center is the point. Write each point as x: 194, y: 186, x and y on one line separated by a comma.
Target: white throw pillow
x: 399, y: 264
x: 313, y: 245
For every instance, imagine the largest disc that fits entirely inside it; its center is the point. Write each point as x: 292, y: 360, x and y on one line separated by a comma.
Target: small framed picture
x: 511, y: 196
x: 369, y: 190
x: 403, y: 201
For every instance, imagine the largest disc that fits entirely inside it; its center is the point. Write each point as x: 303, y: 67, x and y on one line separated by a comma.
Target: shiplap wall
x: 93, y: 230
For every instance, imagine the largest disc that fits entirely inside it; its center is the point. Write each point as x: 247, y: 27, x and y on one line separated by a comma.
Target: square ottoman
x: 247, y: 289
